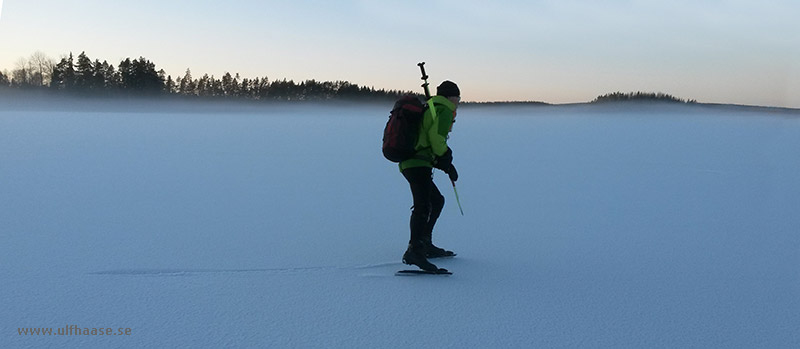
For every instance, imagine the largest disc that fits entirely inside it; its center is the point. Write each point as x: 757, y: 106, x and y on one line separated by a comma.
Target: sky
x: 740, y: 52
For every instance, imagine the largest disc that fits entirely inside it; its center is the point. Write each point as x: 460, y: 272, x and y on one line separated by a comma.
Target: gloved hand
x: 443, y: 162
x: 451, y: 171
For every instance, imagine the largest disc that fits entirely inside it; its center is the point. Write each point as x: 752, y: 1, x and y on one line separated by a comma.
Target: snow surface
x: 282, y: 226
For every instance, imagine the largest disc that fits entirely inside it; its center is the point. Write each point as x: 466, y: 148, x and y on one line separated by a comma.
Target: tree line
x: 639, y: 96
x: 82, y: 75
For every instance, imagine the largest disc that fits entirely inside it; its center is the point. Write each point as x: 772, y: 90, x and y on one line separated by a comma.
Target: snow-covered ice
x: 282, y: 226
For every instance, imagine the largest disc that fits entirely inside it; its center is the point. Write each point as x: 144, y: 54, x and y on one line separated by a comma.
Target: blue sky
x: 742, y: 52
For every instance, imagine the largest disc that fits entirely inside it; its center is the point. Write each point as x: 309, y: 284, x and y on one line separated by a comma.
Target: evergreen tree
x: 283, y: 90
x: 245, y: 90
x: 162, y: 77
x: 214, y: 87
x: 186, y: 86
x: 110, y: 76
x: 125, y: 71
x: 170, y: 85
x: 141, y: 77
x: 346, y: 90
x: 262, y: 88
x: 70, y: 73
x: 98, y: 82
x: 84, y: 73
x: 236, y: 87
x: 255, y: 88
x: 230, y: 85
x: 64, y: 74
x: 57, y: 79
x: 203, y: 86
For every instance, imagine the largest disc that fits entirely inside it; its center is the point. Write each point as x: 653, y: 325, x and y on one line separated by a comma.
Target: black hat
x: 448, y: 89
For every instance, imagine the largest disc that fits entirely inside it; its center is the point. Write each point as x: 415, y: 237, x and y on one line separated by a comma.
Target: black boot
x: 415, y: 255
x: 432, y: 251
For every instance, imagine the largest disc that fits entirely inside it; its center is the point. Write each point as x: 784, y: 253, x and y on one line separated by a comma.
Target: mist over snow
x: 281, y: 225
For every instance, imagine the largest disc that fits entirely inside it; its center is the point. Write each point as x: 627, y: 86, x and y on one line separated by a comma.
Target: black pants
x: 428, y: 203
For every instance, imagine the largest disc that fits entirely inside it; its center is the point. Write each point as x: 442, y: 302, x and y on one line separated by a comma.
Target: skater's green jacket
x: 436, y: 125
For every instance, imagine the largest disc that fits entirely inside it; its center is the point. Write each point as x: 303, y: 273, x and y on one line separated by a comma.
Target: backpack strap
x: 419, y: 156
x: 432, y: 108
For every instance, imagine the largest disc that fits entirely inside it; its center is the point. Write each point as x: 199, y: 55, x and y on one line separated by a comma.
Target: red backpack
x: 402, y: 130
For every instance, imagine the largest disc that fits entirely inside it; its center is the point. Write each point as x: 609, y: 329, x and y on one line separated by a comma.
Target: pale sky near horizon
x: 742, y: 52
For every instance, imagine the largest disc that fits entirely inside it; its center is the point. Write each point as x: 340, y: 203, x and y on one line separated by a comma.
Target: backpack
x: 402, y: 130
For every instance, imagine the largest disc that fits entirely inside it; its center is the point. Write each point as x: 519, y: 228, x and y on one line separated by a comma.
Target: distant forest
x: 84, y: 76
x: 639, y: 96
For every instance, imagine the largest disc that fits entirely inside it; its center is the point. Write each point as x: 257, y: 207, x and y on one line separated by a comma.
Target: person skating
x: 432, y: 152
